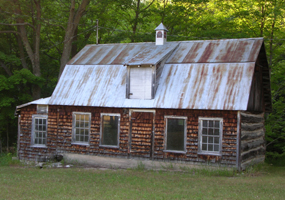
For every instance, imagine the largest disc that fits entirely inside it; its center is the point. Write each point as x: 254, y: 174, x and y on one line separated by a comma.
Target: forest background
x: 37, y: 38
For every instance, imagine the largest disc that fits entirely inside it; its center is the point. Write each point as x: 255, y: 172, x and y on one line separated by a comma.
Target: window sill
x: 209, y: 154
x: 109, y: 146
x: 38, y: 146
x: 173, y: 151
x: 80, y: 143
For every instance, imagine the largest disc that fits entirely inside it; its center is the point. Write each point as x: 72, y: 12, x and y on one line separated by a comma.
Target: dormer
x: 161, y: 34
x: 140, y: 82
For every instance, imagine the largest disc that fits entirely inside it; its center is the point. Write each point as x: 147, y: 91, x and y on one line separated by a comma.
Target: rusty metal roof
x: 197, y: 51
x: 208, y: 74
x: 123, y: 54
x: 217, y: 51
x: 223, y: 86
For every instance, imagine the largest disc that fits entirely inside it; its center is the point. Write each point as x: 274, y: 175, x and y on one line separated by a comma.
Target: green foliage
x: 14, y: 90
x: 6, y: 160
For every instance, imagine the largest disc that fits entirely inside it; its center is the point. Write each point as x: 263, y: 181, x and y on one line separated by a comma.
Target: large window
x: 175, y: 134
x: 210, y: 135
x: 81, y: 127
x: 110, y: 126
x: 39, y: 130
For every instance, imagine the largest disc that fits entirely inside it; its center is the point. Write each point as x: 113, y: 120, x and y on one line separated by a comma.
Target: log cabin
x: 198, y: 102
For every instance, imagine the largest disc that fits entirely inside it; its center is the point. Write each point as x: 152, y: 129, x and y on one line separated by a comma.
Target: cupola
x: 161, y: 34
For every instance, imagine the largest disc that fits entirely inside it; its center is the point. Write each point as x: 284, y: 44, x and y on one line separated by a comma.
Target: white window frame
x: 165, y: 133
x: 34, y: 117
x: 74, y: 128
x: 200, y: 124
x: 101, y: 130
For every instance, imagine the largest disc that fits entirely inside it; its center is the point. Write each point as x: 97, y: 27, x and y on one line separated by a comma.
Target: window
x: 39, y: 130
x: 210, y: 135
x: 81, y: 127
x: 110, y: 126
x: 175, y: 134
x: 42, y: 109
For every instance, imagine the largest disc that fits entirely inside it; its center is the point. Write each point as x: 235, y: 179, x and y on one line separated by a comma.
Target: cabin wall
x: 142, y: 135
x: 252, y: 138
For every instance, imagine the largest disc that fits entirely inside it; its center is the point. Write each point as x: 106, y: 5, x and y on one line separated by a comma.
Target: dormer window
x: 140, y: 82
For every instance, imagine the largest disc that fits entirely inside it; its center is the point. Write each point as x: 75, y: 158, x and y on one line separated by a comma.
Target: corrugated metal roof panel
x: 197, y: 51
x: 220, y: 86
x: 217, y: 51
x: 119, y: 54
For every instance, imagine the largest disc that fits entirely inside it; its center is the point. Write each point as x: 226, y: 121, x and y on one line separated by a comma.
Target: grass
x: 265, y: 182
x: 6, y: 159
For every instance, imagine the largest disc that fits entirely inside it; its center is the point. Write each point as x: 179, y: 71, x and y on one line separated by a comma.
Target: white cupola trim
x: 161, y: 34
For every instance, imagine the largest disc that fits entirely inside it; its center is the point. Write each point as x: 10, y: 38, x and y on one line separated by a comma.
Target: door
x: 141, y: 135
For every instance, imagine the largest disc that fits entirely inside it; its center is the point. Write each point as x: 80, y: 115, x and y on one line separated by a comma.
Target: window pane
x: 110, y: 130
x: 204, y: 147
x: 40, y: 121
x: 175, y: 134
x: 210, y: 147
x: 217, y: 124
x: 210, y: 131
x: 44, y: 141
x: 77, y: 117
x: 216, y: 147
x: 211, y: 139
x: 77, y: 138
x: 86, y: 138
x: 205, y: 123
x: 77, y: 124
x: 216, y: 140
x: 210, y: 123
x: 204, y: 131
x: 216, y: 131
x: 204, y: 140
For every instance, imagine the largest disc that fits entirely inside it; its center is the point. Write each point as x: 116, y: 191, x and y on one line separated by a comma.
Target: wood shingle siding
x: 141, y: 135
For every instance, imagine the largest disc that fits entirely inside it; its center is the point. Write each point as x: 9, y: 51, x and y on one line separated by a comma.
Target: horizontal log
x: 251, y: 144
x: 247, y: 135
x: 253, y: 161
x: 259, y: 151
x: 251, y: 127
x: 252, y: 118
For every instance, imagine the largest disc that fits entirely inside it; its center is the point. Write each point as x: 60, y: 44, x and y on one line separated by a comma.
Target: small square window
x: 210, y: 135
x: 110, y: 128
x: 42, y: 109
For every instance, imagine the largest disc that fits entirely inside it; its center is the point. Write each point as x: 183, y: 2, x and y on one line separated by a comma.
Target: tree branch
x: 6, y: 68
x: 16, y: 32
x: 18, y: 24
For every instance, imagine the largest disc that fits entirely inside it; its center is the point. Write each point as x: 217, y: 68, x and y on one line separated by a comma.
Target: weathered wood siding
x: 252, y: 138
x: 142, y: 135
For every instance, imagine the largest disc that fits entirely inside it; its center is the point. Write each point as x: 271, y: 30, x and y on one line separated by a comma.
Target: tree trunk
x: 73, y: 21
x: 34, y: 56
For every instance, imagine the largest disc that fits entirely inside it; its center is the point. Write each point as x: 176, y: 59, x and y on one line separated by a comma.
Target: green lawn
x: 80, y: 183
